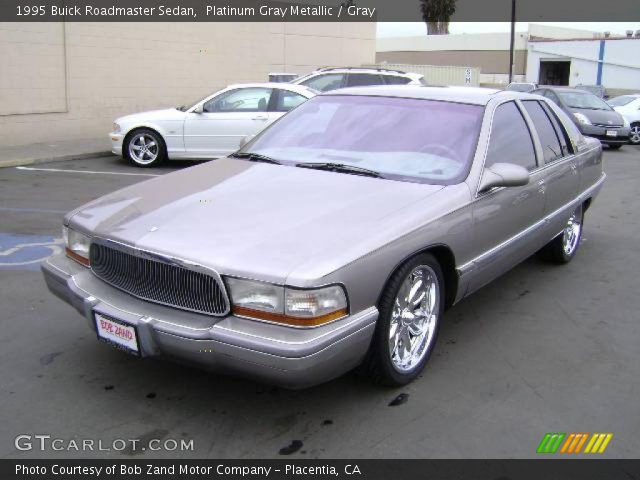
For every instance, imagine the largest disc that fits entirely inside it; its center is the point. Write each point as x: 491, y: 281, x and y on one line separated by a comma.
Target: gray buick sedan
x: 336, y: 238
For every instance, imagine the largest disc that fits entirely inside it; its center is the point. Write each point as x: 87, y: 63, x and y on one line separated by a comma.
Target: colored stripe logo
x: 573, y: 443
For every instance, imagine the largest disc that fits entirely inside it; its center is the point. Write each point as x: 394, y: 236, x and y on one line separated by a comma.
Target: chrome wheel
x: 414, y: 318
x: 143, y: 148
x: 571, y: 234
x: 634, y: 135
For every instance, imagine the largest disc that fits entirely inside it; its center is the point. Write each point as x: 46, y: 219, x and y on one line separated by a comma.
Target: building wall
x: 620, y: 66
x: 61, y: 81
x: 463, y: 41
x: 487, y: 51
x: 489, y: 61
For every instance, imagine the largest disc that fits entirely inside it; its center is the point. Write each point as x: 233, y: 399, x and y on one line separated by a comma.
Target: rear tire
x: 411, y: 308
x: 563, y: 248
x: 144, y: 148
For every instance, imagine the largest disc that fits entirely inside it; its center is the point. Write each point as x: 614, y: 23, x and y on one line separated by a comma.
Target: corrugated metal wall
x: 437, y: 74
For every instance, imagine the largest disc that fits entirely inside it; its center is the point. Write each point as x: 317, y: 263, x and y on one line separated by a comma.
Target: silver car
x: 336, y: 238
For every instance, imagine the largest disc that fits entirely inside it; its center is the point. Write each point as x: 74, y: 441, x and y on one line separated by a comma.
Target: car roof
x: 302, y: 89
x: 563, y: 89
x: 472, y: 95
x: 371, y: 70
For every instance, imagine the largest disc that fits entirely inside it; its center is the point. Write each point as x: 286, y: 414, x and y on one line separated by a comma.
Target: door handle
x: 260, y: 117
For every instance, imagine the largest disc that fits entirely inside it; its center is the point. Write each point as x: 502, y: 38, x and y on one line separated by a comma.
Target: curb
x: 18, y: 162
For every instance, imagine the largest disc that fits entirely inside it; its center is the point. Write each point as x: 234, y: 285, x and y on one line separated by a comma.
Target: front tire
x: 411, y: 308
x: 634, y: 134
x: 144, y: 148
x: 564, y: 247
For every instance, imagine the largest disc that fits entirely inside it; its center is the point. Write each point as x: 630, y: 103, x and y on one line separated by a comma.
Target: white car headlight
x: 625, y: 122
x: 116, y: 128
x: 76, y: 245
x: 582, y: 118
x: 287, y: 305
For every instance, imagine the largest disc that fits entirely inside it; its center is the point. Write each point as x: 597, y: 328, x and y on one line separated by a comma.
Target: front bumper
x: 116, y: 143
x: 284, y: 356
x: 621, y: 138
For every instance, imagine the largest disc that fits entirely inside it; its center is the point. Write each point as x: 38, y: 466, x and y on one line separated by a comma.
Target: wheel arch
x: 446, y: 258
x: 137, y: 128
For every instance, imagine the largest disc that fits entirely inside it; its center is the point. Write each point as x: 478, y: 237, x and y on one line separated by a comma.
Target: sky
x: 403, y: 29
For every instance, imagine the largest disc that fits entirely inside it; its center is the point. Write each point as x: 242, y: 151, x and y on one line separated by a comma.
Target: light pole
x: 513, y: 39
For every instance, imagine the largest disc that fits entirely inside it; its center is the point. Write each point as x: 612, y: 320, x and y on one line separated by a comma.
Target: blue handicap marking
x: 25, y: 252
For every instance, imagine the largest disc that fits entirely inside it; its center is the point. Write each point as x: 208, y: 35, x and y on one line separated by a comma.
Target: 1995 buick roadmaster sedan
x: 335, y: 238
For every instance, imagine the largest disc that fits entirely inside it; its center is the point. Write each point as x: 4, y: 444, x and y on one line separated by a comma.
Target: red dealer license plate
x: 117, y: 333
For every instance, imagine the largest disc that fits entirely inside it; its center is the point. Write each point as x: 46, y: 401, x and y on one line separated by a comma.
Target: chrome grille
x: 159, y: 279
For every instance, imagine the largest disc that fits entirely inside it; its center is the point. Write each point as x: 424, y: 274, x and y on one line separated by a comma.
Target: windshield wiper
x: 341, y: 168
x: 255, y: 157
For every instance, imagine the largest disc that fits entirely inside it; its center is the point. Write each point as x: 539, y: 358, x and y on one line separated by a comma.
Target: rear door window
x: 563, y: 135
x: 363, y: 79
x: 551, y: 147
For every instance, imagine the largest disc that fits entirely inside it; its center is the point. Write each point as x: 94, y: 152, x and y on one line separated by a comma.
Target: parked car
x: 593, y: 116
x: 282, y: 77
x: 524, y: 87
x: 335, y: 238
x: 210, y: 128
x: 629, y: 107
x: 332, y: 78
x: 598, y: 90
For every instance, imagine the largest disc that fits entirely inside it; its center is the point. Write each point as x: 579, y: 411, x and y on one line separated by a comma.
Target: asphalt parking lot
x: 543, y: 349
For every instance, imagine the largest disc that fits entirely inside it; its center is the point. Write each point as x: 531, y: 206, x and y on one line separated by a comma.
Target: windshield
x: 621, y: 101
x: 582, y: 100
x: 187, y: 106
x: 399, y: 138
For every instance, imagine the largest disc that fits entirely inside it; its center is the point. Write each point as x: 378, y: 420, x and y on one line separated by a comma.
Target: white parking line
x: 61, y: 170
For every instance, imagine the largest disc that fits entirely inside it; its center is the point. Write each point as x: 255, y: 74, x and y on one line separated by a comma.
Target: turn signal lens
x: 315, y: 303
x: 77, y: 245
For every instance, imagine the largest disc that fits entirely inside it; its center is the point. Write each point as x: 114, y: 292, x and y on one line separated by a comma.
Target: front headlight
x: 287, y: 305
x: 582, y: 118
x: 116, y: 128
x: 76, y: 245
x: 625, y: 122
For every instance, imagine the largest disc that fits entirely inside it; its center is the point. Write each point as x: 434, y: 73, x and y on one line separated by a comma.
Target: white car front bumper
x: 116, y: 143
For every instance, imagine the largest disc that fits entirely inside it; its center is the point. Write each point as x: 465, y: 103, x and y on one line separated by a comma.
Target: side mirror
x: 503, y: 175
x: 198, y: 109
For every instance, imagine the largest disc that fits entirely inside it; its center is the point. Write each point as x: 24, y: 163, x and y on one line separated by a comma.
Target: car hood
x: 600, y: 117
x: 152, y: 115
x: 258, y: 220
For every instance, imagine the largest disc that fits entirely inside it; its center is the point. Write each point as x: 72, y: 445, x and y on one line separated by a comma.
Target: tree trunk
x: 437, y: 28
